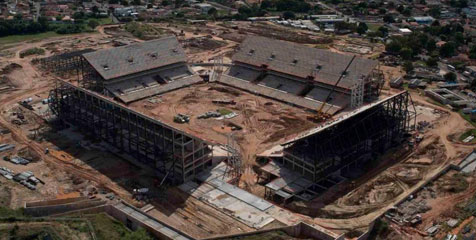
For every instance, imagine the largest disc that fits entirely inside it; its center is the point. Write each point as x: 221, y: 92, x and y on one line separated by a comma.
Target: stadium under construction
x: 115, y: 99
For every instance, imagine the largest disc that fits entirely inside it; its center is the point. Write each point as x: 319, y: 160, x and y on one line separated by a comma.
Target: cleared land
x: 264, y: 122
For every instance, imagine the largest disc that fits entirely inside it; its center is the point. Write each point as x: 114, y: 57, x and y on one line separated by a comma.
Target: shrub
x: 32, y: 51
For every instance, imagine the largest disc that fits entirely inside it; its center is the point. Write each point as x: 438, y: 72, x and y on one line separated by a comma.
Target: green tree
x: 136, y: 2
x: 78, y: 15
x: 472, y: 52
x: 266, y: 4
x: 95, y: 9
x: 435, y: 12
x: 432, y: 62
x: 450, y: 77
x: 448, y: 49
x: 362, y: 28
x: 400, y: 8
x: 406, y: 53
x: 408, y: 66
x: 165, y: 3
x: 430, y: 45
x: 383, y: 31
x: 289, y: 15
x: 388, y: 18
x: 393, y: 47
x: 213, y: 12
x: 93, y: 23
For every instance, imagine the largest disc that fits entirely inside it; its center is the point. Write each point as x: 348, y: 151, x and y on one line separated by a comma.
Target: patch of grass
x: 224, y: 111
x: 80, y: 226
x: 373, y: 27
x: 107, y: 228
x: 30, y: 232
x: 27, y: 37
x: 420, y: 63
x: 32, y: 51
x: 11, y: 213
x: 102, y: 21
x: 467, y: 118
x: 405, y: 86
x: 143, y: 31
x: 467, y: 134
x: 322, y: 46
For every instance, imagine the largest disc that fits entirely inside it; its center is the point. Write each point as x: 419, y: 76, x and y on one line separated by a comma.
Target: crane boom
x: 335, y: 85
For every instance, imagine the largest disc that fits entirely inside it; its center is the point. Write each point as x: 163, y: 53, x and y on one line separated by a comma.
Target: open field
x: 28, y: 37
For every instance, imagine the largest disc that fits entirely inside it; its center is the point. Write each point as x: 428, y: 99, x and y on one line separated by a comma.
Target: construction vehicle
x: 322, y: 116
x: 181, y: 118
x: 140, y: 194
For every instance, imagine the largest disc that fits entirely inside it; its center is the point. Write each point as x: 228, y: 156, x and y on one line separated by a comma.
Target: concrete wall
x: 136, y: 223
x: 61, y: 208
x: 54, y: 202
x: 290, y: 230
x: 91, y: 210
x: 298, y: 230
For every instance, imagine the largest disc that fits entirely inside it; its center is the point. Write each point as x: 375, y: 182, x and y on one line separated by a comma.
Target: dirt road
x: 449, y: 124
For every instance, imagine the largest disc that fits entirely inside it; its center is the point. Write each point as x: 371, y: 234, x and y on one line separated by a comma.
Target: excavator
x: 322, y: 116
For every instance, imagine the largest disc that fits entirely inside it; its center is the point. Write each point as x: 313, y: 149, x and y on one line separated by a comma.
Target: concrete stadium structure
x: 111, y: 79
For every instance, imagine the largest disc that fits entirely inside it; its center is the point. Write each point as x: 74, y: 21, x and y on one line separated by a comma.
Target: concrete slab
x: 241, y: 194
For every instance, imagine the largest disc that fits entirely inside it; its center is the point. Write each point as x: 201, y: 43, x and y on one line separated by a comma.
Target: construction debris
x: 210, y: 114
x: 224, y: 101
x: 181, y: 118
x: 6, y: 147
x: 19, y: 160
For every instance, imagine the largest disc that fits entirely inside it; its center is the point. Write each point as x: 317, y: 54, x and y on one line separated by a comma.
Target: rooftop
x: 134, y: 58
x: 302, y: 61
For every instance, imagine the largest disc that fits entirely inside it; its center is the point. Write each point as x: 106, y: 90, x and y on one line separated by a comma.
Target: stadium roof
x: 302, y: 61
x: 138, y: 57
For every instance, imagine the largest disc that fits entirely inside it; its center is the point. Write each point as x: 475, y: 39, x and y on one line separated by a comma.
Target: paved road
x: 335, y: 10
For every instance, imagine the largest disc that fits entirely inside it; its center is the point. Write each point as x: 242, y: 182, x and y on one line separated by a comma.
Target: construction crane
x: 322, y: 116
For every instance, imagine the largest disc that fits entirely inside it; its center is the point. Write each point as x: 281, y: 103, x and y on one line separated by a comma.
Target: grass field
x: 28, y: 37
x: 104, y: 227
x: 102, y: 21
x: 373, y: 27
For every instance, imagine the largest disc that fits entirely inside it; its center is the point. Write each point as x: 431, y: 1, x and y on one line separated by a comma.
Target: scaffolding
x: 64, y: 63
x: 217, y: 70
x: 357, y: 94
x: 350, y: 142
x: 175, y: 155
x: 233, y: 168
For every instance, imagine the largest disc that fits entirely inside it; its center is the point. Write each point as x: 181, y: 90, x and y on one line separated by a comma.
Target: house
x: 404, y: 31
x: 424, y: 20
